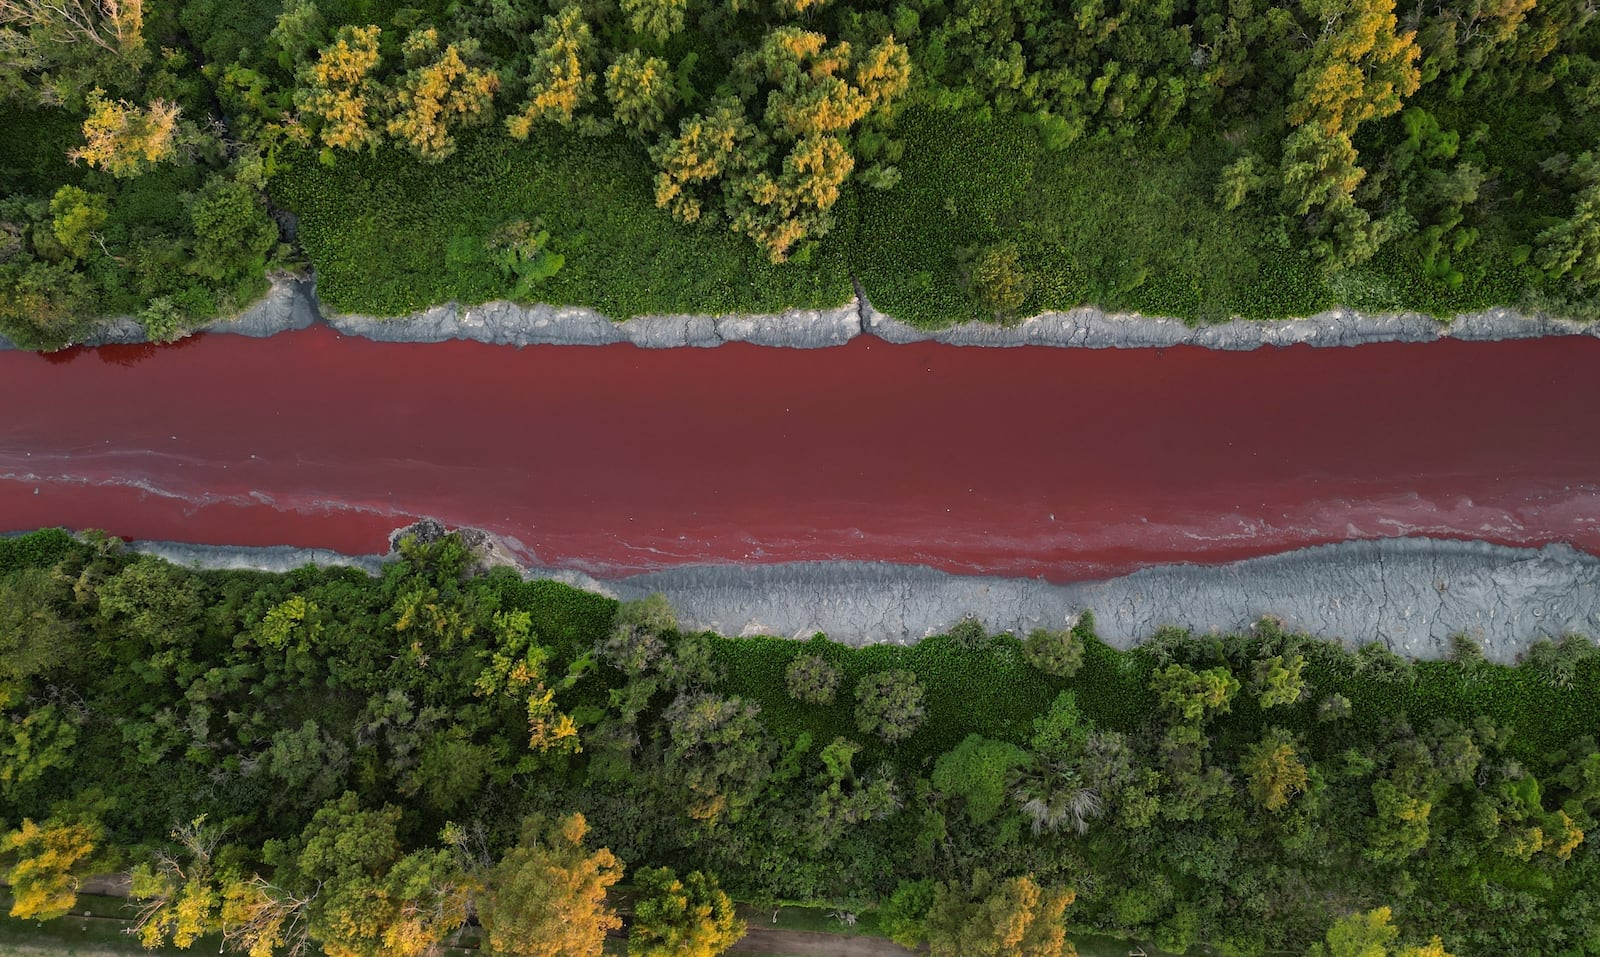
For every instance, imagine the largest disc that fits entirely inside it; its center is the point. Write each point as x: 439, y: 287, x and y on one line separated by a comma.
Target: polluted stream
x: 1032, y: 462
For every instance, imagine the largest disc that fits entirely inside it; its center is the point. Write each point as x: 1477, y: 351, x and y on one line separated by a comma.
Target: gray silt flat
x: 292, y: 304
x: 1412, y: 594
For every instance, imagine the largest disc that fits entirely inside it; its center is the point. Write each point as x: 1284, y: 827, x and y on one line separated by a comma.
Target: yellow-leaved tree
x: 124, y: 139
x: 1369, y: 934
x: 439, y: 91
x: 561, y: 81
x: 44, y: 879
x: 339, y: 93
x: 547, y: 896
x: 1361, y: 68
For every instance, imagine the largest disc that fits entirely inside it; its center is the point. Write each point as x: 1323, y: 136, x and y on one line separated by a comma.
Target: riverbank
x: 1412, y: 594
x: 292, y: 304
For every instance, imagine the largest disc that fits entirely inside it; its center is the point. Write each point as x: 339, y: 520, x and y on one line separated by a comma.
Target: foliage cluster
x: 363, y: 762
x: 964, y: 161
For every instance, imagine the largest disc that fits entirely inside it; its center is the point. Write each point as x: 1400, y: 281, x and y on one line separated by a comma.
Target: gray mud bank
x: 1410, y: 594
x: 292, y: 304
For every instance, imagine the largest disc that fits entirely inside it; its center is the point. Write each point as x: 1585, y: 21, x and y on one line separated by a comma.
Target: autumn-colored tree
x: 706, y: 146
x: 1369, y: 934
x: 124, y: 139
x: 339, y: 92
x: 780, y: 211
x: 547, y: 896
x: 1275, y: 770
x: 691, y: 917
x: 989, y: 918
x: 561, y: 76
x: 439, y: 91
x: 884, y: 74
x: 810, y: 90
x: 44, y: 882
x: 179, y: 896
x: 515, y: 667
x: 371, y: 898
x: 640, y: 89
x: 1360, y: 67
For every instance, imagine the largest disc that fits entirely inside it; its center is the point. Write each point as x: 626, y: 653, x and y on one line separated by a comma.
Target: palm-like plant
x: 1052, y: 795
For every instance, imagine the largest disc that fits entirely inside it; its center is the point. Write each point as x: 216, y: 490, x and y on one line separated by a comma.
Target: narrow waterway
x: 1060, y: 463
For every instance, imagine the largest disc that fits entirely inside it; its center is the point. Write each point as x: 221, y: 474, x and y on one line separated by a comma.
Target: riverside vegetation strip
x: 1245, y: 790
x: 1193, y: 159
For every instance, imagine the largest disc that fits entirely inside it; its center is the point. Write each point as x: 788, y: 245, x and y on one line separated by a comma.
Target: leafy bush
x: 812, y: 679
x: 890, y: 705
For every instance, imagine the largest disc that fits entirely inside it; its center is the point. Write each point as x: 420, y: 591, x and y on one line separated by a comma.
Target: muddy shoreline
x: 1412, y: 594
x: 292, y: 304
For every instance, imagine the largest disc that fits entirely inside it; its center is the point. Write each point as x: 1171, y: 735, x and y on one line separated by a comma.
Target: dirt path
x: 801, y: 943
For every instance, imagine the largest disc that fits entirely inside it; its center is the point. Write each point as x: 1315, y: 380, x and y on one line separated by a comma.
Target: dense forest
x: 960, y: 158
x: 365, y: 764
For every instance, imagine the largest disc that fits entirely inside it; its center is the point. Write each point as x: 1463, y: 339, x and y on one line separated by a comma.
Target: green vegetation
x: 963, y: 161
x: 365, y: 762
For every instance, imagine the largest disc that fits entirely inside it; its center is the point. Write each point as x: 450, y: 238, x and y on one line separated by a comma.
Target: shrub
x: 902, y: 918
x: 890, y: 704
x: 969, y: 634
x: 1058, y: 653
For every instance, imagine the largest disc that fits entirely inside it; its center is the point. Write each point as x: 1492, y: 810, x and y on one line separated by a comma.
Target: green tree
x: 660, y: 20
x: 718, y: 749
x: 233, y: 233
x: 691, y: 917
x: 1571, y: 249
x: 904, y: 916
x: 1278, y: 680
x: 810, y: 678
x: 36, y: 742
x: 1057, y: 652
x: 890, y: 704
x: 641, y: 90
x: 1275, y: 771
x: 1192, y: 695
x: 1369, y: 934
x: 977, y: 771
x: 35, y: 635
x: 75, y: 217
x: 547, y: 896
x: 989, y: 918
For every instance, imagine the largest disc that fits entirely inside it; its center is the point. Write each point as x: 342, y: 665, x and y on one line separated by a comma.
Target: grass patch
x: 1125, y: 228
x: 389, y: 235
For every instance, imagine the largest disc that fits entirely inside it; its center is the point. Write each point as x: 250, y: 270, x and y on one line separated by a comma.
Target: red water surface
x: 1055, y: 462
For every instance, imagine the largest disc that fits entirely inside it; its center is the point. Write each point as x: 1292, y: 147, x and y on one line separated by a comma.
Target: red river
x: 1059, y: 463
